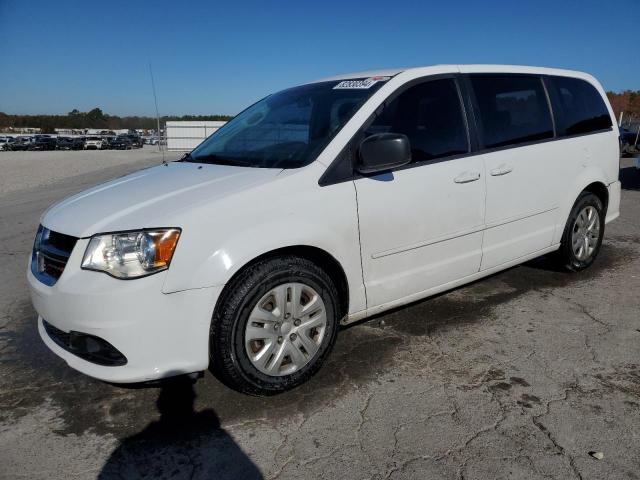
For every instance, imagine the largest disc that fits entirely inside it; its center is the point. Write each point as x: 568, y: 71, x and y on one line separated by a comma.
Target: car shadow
x: 182, y: 443
x: 548, y: 263
x: 630, y: 178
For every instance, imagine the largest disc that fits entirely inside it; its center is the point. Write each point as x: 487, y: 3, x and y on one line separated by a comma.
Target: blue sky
x: 219, y: 56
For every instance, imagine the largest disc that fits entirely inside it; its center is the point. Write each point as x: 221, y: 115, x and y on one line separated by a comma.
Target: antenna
x: 155, y: 99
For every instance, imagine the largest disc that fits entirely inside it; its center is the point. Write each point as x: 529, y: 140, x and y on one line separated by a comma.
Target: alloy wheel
x: 585, y: 233
x: 285, y: 329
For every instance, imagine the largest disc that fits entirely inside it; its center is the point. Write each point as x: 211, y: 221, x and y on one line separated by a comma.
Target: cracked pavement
x: 519, y: 376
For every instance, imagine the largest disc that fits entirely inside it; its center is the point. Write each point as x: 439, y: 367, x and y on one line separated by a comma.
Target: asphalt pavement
x: 530, y: 373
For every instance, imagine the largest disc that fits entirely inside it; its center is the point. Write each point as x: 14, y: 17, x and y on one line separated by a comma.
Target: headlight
x: 131, y: 254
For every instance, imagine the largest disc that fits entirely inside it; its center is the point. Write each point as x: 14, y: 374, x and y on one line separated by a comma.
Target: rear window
x: 581, y: 108
x: 512, y: 109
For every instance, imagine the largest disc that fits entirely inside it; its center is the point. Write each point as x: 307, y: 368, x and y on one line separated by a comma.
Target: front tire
x: 274, y: 326
x: 583, y: 233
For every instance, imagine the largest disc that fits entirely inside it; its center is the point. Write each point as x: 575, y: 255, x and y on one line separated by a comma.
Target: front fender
x: 219, y: 242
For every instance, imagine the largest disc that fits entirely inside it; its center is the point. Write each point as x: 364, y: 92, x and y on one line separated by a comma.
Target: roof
x: 470, y: 68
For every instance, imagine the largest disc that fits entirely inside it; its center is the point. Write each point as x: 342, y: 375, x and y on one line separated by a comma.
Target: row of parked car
x: 47, y: 142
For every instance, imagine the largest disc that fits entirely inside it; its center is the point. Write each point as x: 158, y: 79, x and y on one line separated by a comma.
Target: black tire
x: 229, y: 360
x: 566, y: 255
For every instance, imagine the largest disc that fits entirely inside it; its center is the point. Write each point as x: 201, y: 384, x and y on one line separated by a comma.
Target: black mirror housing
x: 383, y: 151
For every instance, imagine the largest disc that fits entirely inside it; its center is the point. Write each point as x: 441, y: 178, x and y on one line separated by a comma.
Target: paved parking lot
x: 22, y: 171
x: 520, y: 375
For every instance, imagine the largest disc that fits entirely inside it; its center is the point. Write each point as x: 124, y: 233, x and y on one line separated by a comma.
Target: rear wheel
x: 582, y: 237
x: 274, y: 327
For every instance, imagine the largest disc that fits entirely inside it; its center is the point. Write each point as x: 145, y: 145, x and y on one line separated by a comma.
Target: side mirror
x: 383, y: 151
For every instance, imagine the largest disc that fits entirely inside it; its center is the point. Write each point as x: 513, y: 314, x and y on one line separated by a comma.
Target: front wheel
x: 275, y: 325
x: 582, y: 237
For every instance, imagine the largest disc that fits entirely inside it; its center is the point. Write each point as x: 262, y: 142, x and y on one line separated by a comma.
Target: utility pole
x: 155, y: 99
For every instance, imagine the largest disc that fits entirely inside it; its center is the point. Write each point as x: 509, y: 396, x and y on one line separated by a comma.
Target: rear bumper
x: 613, y: 209
x: 159, y: 334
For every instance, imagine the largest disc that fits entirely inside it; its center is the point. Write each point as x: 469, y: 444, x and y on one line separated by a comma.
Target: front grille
x: 61, y: 241
x: 88, y: 347
x: 51, y: 252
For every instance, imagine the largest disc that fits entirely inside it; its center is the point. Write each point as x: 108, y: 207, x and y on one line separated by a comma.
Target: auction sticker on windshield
x: 360, y: 84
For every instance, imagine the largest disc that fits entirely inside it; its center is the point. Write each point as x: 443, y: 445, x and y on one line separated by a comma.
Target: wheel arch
x: 590, y: 180
x: 320, y: 257
x: 600, y: 190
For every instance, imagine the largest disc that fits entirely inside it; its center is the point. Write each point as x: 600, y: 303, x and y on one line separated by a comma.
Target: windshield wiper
x: 216, y: 160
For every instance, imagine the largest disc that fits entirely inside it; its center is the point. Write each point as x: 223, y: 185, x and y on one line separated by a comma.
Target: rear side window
x: 581, y: 108
x: 430, y: 115
x: 512, y: 109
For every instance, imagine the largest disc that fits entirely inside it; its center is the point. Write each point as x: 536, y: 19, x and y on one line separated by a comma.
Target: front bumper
x: 160, y: 334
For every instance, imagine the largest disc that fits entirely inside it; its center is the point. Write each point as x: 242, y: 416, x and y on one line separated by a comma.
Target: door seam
x: 484, y: 216
x: 364, y: 284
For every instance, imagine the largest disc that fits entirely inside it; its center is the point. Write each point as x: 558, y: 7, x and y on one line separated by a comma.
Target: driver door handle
x: 501, y: 170
x: 466, y: 177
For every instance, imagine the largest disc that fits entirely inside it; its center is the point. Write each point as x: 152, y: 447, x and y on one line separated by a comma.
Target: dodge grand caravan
x: 318, y: 206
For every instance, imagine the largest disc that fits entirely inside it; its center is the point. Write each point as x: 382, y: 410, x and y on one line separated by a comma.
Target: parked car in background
x: 64, y: 143
x: 3, y: 142
x: 78, y: 143
x: 107, y: 140
x: 19, y: 143
x: 70, y: 143
x: 136, y: 140
x: 121, y: 142
x: 628, y: 141
x: 43, y: 143
x: 93, y: 143
x: 150, y: 140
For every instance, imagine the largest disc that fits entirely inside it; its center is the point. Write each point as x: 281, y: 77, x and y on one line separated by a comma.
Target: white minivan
x: 318, y: 206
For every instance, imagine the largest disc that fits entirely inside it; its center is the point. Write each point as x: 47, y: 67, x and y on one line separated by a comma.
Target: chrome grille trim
x: 51, y: 252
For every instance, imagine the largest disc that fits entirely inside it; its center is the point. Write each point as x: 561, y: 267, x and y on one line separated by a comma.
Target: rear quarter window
x: 579, y: 107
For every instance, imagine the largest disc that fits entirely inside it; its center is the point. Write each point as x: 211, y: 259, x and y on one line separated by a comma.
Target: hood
x: 150, y: 198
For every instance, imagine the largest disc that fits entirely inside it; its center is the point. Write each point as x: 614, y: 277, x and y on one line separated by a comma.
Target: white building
x: 186, y: 135
x: 69, y: 131
x: 25, y: 130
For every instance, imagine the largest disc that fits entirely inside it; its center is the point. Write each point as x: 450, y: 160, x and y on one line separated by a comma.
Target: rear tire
x: 583, y: 233
x: 261, y: 340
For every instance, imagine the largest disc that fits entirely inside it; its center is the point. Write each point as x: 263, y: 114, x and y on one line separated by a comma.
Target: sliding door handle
x: 501, y: 170
x: 466, y: 177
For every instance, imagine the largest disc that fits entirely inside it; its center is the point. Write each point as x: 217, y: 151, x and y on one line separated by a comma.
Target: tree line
x: 93, y: 119
x: 627, y: 102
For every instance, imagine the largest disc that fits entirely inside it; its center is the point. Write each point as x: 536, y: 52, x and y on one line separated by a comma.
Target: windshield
x: 288, y: 129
